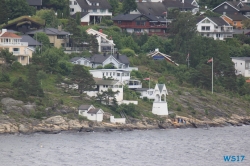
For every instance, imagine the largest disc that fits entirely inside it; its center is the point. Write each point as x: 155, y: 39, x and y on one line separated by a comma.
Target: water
x: 173, y: 147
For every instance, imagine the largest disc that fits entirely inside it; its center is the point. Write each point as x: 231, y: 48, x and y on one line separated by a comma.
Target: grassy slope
x: 182, y: 100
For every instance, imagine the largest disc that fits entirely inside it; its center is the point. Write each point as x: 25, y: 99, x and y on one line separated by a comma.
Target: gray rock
x: 55, y: 120
x: 11, y: 102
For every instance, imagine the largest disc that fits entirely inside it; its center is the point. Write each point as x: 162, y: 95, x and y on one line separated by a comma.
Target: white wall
x: 160, y: 108
x: 119, y: 96
x: 113, y: 73
x: 77, y: 8
x: 128, y: 102
x: 117, y: 120
x: 111, y: 59
x: 85, y: 18
x: 95, y: 117
x: 239, y: 65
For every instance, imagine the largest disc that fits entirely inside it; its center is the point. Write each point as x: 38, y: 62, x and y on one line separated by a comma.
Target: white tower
x: 160, y: 105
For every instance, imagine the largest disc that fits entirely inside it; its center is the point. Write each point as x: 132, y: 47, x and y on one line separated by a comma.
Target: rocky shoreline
x: 57, y: 124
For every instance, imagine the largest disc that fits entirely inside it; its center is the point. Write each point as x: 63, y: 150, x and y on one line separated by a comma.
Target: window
x: 72, y: 9
x: 61, y: 37
x: 225, y: 7
x: 15, y: 49
x: 22, y: 58
x: 70, y: 2
x: 94, y: 10
x: 113, y: 73
x: 119, y: 22
x: 140, y: 22
x: 120, y: 86
x: 206, y: 21
x: 235, y: 22
x: 102, y: 10
x: 205, y: 28
x: 218, y: 35
x: 224, y: 13
x: 118, y: 74
x: 240, y: 63
x: 75, y: 3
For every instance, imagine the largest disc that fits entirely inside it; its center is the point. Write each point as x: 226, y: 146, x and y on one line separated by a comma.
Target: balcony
x: 25, y: 44
x: 16, y: 52
x: 141, y: 26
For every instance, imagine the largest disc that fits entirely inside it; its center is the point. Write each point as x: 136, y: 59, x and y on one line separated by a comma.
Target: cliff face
x: 56, y: 124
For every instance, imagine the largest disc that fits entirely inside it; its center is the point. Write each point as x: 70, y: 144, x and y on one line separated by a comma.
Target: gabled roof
x: 160, y: 86
x: 152, y: 8
x: 237, y: 5
x: 155, y: 53
x: 216, y: 20
x: 82, y: 14
x: 242, y: 58
x: 100, y: 58
x: 84, y: 107
x: 103, y: 4
x: 34, y: 20
x: 34, y: 2
x: 10, y: 35
x: 95, y: 111
x: 31, y: 41
x: 49, y: 31
x: 236, y: 17
x: 177, y: 4
x: 131, y: 17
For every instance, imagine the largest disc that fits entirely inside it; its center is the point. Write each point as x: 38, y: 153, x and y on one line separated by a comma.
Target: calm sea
x: 173, y: 147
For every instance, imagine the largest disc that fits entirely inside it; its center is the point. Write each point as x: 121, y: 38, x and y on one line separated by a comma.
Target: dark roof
x: 100, y: 58
x: 154, y: 8
x: 131, y: 17
x: 99, y: 81
x: 160, y: 86
x: 34, y: 2
x: 219, y: 21
x: 177, y: 4
x: 84, y: 107
x: 103, y: 4
x: 82, y: 14
x: 12, y: 31
x: 75, y: 59
x: 30, y: 41
x: 239, y: 7
x: 236, y: 17
x: 93, y: 111
x: 241, y: 31
x: 49, y: 31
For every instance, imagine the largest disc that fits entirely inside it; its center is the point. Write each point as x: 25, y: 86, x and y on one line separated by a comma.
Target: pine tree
x: 34, y: 86
x: 4, y: 14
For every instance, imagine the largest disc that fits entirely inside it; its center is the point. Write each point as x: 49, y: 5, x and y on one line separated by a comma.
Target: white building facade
x: 242, y: 66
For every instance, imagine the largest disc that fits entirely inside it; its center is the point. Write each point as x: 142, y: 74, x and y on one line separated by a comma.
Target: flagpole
x: 212, y: 75
x: 149, y: 83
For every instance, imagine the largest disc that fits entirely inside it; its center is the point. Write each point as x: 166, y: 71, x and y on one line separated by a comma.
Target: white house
x: 83, y: 109
x: 91, y: 11
x: 242, y: 66
x: 214, y: 27
x: 104, y: 85
x: 146, y: 92
x: 116, y: 60
x: 122, y: 75
x: 160, y: 106
x: 105, y: 44
x: 95, y: 114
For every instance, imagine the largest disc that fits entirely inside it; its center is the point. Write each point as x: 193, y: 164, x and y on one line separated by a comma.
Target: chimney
x: 3, y: 31
x: 59, y: 28
x: 157, y: 50
x: 100, y: 30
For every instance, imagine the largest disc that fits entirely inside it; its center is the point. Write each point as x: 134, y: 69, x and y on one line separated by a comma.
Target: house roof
x: 99, y: 81
x: 237, y: 5
x: 75, y: 59
x: 49, y: 31
x: 34, y: 2
x: 94, y: 110
x: 10, y: 35
x: 131, y: 17
x: 141, y: 89
x: 35, y: 20
x: 100, y: 58
x: 155, y: 53
x: 242, y: 58
x: 82, y: 14
x: 160, y: 86
x: 31, y: 41
x: 154, y: 8
x: 241, y: 31
x: 216, y: 20
x: 103, y: 4
x: 84, y: 107
x: 236, y: 17
x: 177, y: 4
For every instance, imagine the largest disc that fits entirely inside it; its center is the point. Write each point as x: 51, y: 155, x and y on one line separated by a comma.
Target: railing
x: 134, y: 86
x: 13, y: 44
x: 16, y: 52
x: 141, y: 26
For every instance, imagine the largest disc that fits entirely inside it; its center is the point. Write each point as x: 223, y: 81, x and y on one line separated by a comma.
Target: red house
x: 140, y: 23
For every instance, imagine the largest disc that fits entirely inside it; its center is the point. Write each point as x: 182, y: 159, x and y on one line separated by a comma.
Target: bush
x: 179, y: 108
x: 16, y: 66
x: 5, y: 78
x: 128, y: 52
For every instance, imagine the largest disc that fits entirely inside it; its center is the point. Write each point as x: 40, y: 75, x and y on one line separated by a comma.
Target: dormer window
x: 75, y: 3
x: 225, y: 7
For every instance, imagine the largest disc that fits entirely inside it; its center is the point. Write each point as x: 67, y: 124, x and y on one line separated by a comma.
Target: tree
x: 78, y: 18
x: 50, y: 59
x: 4, y: 13
x: 18, y: 8
x: 34, y: 86
x: 246, y: 23
x: 49, y: 16
x: 128, y: 5
x: 115, y: 6
x: 82, y: 78
x: 8, y: 57
x: 109, y: 94
x: 43, y: 39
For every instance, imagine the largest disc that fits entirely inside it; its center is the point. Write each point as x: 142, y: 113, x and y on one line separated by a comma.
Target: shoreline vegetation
x: 57, y: 124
